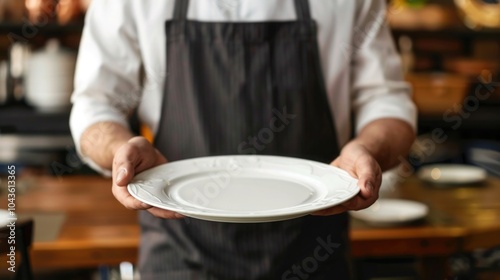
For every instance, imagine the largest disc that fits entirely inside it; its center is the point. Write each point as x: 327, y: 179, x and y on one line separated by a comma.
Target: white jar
x: 49, y: 78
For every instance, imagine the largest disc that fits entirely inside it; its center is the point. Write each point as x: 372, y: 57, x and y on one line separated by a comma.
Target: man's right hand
x: 131, y: 158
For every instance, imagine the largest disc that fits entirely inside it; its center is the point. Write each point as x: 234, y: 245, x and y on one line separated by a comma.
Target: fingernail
x: 121, y: 174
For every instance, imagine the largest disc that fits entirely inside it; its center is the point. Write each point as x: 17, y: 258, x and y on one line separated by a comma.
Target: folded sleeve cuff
x: 394, y: 106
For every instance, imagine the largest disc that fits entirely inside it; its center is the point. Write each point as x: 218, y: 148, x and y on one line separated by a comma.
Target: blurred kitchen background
x: 39, y: 42
x: 38, y: 47
x: 450, y: 51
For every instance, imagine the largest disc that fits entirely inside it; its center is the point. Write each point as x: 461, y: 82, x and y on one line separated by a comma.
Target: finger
x: 367, y: 178
x: 331, y: 211
x: 140, y: 154
x: 338, y: 163
x: 124, y: 174
x: 355, y: 203
x: 124, y: 165
x: 124, y: 197
x: 166, y: 214
x: 160, y: 159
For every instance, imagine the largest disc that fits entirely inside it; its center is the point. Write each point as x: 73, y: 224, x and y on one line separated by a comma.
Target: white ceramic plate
x: 452, y: 174
x: 244, y: 189
x: 389, y: 212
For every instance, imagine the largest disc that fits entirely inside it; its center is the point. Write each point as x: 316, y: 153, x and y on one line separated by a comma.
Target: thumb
x: 124, y: 175
x: 367, y: 176
x: 124, y: 167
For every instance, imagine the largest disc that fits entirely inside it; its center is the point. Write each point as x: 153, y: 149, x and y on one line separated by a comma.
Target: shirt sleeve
x: 107, y: 83
x: 378, y: 87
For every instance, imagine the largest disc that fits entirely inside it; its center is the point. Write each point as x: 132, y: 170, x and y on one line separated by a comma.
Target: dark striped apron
x: 244, y: 88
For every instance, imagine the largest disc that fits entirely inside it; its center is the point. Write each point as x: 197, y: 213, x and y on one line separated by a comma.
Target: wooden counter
x: 97, y: 230
x: 461, y: 219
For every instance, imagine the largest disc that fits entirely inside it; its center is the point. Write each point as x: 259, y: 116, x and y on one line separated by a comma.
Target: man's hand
x: 131, y: 158
x: 375, y: 149
x: 358, y: 161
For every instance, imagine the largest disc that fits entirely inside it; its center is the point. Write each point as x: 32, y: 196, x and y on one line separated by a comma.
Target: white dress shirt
x: 121, y: 61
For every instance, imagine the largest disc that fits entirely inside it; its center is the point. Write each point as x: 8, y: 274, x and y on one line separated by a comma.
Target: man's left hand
x: 360, y: 163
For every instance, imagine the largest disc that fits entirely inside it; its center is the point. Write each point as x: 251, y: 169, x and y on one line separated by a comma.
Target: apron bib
x: 244, y: 88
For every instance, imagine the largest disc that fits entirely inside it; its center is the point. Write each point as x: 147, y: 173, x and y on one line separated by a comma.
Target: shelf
x: 457, y: 32
x: 485, y: 118
x: 27, y: 30
x: 26, y: 120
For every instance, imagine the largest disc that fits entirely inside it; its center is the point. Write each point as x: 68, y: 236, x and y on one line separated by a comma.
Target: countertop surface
x: 94, y: 229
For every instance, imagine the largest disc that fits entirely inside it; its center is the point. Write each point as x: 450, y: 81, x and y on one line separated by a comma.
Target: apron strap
x: 180, y: 10
x: 302, y: 9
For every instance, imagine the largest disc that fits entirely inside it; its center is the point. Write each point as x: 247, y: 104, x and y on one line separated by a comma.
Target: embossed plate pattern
x: 244, y: 189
